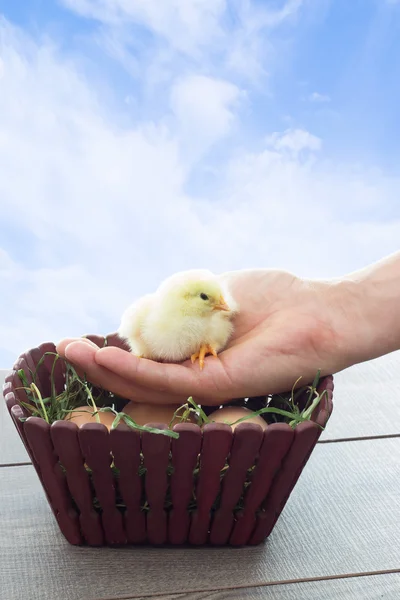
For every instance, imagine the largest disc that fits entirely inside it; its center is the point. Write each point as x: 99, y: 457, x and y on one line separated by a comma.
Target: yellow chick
x: 189, y: 316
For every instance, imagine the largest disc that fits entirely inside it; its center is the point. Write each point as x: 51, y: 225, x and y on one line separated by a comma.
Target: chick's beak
x: 222, y: 305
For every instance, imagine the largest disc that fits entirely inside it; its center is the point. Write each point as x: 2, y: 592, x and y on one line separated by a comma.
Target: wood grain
x: 185, y: 452
x: 155, y: 450
x: 247, y: 440
x: 94, y: 441
x: 375, y: 587
x: 38, y: 435
x: 216, y: 444
x: 342, y: 517
x: 366, y: 400
x: 125, y: 446
x: 66, y: 444
x: 12, y: 449
x: 276, y: 445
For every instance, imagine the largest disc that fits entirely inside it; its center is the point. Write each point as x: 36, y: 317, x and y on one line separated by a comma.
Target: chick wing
x: 132, y: 324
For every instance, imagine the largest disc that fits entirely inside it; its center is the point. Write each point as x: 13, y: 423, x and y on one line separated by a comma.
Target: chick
x: 189, y: 316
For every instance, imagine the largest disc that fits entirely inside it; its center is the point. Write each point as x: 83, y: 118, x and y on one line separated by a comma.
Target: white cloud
x: 294, y: 141
x: 231, y: 35
x: 186, y: 25
x: 204, y: 108
x: 317, y: 97
x: 98, y: 210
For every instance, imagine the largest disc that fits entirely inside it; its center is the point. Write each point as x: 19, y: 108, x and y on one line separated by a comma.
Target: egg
x: 86, y: 416
x: 230, y: 414
x: 143, y: 413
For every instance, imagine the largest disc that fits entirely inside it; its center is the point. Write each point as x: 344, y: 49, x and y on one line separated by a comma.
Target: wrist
x: 368, y: 303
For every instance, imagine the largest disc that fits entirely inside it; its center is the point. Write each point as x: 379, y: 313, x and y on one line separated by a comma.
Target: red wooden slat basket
x: 97, y: 505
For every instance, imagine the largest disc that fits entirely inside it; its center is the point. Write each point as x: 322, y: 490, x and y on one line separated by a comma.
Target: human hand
x: 287, y: 328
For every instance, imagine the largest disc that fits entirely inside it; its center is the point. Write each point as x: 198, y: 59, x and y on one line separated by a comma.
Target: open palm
x: 287, y: 328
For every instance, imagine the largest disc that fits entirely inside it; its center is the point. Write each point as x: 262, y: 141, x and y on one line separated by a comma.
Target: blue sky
x: 349, y: 50
x: 135, y: 142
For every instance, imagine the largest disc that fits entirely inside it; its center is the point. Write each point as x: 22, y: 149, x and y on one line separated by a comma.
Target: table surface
x: 337, y: 538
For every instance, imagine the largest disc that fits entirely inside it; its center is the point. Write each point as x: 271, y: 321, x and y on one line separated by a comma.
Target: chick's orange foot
x: 202, y: 353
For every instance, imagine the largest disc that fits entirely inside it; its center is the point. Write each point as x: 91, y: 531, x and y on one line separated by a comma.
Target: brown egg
x: 230, y: 414
x: 155, y: 413
x: 143, y: 413
x: 86, y: 416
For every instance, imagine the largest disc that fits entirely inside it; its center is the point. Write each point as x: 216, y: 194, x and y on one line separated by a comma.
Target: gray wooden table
x: 338, y: 537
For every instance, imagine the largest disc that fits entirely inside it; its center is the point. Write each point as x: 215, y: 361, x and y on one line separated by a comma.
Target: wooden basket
x: 85, y: 504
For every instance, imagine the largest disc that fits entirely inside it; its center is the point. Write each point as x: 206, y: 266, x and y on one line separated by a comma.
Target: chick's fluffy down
x: 171, y: 324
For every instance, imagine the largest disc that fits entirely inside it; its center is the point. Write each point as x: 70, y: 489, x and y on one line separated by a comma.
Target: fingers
x: 183, y: 380
x: 62, y: 345
x: 124, y: 374
x: 81, y: 353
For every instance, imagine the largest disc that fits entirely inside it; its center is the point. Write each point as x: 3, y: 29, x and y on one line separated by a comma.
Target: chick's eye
x: 203, y: 296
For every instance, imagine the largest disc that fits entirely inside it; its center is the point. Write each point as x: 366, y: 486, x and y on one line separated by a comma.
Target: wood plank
x: 12, y: 449
x: 343, y: 517
x: 366, y: 400
x: 376, y: 587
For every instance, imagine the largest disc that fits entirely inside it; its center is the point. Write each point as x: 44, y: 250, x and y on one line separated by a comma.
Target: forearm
x: 374, y: 297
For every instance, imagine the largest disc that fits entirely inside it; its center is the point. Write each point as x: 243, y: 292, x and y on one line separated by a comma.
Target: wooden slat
x: 276, y: 444
x: 366, y: 400
x: 38, y: 435
x: 342, y: 517
x: 12, y: 449
x: 125, y: 445
x: 217, y: 441
x: 99, y: 340
x: 113, y: 339
x: 247, y: 440
x: 305, y: 437
x: 185, y: 452
x: 66, y: 443
x: 42, y: 374
x: 155, y: 450
x: 17, y: 385
x: 373, y: 587
x: 94, y: 440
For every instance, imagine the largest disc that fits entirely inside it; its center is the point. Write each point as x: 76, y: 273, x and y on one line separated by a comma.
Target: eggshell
x: 80, y: 418
x: 143, y: 413
x: 230, y: 414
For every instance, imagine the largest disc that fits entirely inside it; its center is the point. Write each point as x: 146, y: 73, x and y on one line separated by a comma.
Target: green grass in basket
x: 79, y: 392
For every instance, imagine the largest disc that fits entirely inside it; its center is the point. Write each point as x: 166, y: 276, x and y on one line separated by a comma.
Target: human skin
x: 287, y: 329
